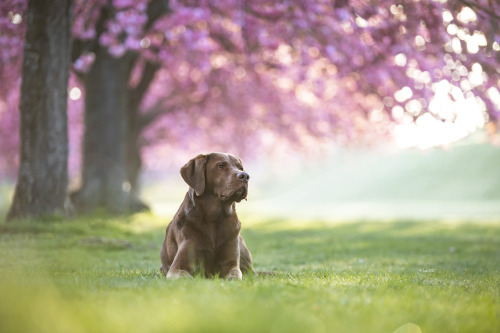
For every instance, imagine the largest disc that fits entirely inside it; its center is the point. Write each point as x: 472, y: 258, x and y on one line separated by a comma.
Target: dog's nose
x: 244, y: 176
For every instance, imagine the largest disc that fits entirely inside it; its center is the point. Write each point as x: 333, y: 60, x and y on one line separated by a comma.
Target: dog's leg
x: 229, y: 261
x: 234, y: 274
x: 178, y: 273
x: 182, y: 266
x: 245, y: 257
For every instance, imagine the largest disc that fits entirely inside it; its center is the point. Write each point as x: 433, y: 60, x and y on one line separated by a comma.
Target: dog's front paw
x: 234, y: 274
x: 178, y: 273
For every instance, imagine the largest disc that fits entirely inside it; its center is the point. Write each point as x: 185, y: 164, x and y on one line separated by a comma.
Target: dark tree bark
x: 43, y: 177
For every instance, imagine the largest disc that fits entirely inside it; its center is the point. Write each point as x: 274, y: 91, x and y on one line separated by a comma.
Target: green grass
x: 99, y: 274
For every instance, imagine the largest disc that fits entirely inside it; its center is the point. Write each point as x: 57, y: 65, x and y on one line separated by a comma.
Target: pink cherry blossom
x: 261, y: 73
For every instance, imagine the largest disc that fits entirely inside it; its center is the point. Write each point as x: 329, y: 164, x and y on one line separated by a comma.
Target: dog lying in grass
x: 204, y: 235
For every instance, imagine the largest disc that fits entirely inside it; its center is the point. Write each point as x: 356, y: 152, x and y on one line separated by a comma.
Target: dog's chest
x: 222, y: 231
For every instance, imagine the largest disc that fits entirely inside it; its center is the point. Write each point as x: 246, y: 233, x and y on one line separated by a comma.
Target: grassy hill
x: 463, y: 180
x: 468, y: 172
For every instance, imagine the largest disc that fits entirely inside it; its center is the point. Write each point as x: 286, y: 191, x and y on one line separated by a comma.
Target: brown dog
x: 204, y: 235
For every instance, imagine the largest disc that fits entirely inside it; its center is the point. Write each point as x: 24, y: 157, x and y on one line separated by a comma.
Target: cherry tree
x: 243, y: 74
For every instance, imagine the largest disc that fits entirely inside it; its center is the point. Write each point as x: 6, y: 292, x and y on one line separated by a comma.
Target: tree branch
x: 79, y: 45
x: 150, y: 115
x: 270, y: 16
x: 225, y: 42
x: 156, y: 9
x: 137, y: 93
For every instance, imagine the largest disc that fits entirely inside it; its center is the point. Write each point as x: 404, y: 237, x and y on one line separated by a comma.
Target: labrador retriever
x: 204, y: 235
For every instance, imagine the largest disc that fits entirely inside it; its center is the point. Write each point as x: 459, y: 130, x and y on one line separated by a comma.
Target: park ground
x: 101, y: 274
x: 361, y: 242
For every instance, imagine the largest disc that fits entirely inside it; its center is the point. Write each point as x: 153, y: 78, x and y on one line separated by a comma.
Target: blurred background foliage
x: 263, y: 79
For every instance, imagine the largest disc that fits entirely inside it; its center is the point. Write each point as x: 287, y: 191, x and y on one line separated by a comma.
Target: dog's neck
x: 212, y: 207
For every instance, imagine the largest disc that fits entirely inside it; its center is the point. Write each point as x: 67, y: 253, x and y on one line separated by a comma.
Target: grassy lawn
x: 99, y: 274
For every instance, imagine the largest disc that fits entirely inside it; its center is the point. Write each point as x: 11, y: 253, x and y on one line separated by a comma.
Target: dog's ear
x: 193, y: 173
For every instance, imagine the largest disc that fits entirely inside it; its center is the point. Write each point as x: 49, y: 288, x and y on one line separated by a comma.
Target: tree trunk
x: 105, y: 184
x: 43, y: 173
x: 111, y: 152
x: 137, y: 124
x: 134, y: 159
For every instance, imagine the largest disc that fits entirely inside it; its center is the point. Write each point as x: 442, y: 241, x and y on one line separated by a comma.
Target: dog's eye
x: 241, y: 168
x: 220, y: 166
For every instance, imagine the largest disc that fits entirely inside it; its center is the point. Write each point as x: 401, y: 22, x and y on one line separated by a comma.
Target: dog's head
x: 218, y: 174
